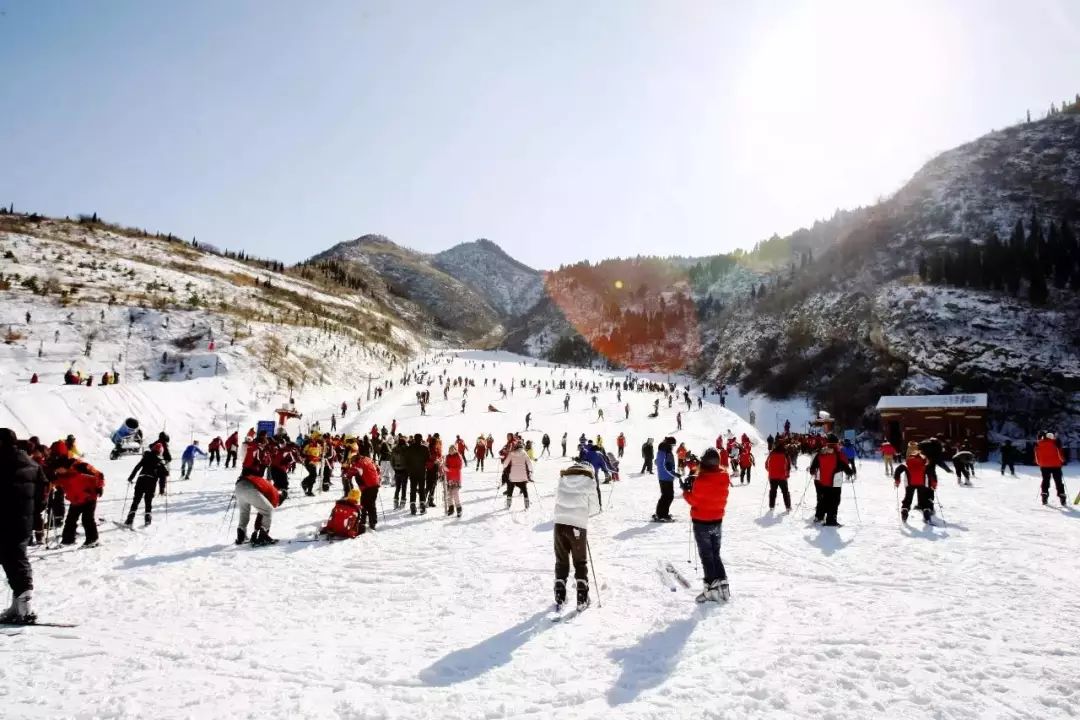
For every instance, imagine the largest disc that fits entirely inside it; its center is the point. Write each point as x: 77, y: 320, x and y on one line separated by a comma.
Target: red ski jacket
x: 829, y: 461
x: 80, y: 481
x: 1048, y: 454
x: 709, y: 495
x: 344, y: 520
x: 265, y: 487
x: 777, y: 465
x: 453, y: 466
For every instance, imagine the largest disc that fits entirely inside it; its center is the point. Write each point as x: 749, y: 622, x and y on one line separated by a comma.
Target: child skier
x: 454, y: 464
x: 707, y: 495
x: 746, y: 462
x: 574, y: 504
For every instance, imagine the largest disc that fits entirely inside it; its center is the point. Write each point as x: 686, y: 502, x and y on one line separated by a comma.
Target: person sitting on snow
x: 344, y: 519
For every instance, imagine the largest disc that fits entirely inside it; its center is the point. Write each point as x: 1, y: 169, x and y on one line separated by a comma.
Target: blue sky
x: 561, y: 130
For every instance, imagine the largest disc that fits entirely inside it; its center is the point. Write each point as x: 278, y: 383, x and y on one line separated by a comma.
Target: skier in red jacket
x: 255, y: 491
x: 778, y: 468
x: 231, y: 446
x: 826, y: 465
x: 919, y: 481
x: 453, y: 465
x: 707, y: 495
x: 83, y: 484
x: 1049, y: 458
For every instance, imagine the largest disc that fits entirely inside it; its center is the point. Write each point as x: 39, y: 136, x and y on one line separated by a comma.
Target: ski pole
x: 805, y: 488
x: 855, y: 496
x: 166, y: 501
x: 940, y: 507
x: 689, y: 542
x: 228, y: 507
x: 764, y: 492
x: 596, y: 582
x: 123, y: 507
x: 899, y: 510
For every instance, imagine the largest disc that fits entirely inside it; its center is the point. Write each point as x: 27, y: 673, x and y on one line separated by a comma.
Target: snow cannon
x: 127, y: 440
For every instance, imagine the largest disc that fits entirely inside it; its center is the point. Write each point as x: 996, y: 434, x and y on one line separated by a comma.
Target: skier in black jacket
x: 21, y: 480
x: 151, y: 471
x: 648, y: 452
x: 416, y: 458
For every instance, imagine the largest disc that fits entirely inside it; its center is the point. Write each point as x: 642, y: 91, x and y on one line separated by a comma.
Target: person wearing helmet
x: 1049, y: 458
x: 344, y: 519
x: 707, y: 495
x: 150, y: 470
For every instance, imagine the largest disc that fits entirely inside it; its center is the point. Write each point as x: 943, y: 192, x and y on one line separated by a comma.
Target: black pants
x: 1009, y: 464
x: 667, y: 494
x: 707, y: 536
x: 570, y: 542
x: 432, y: 481
x: 1059, y: 485
x: 308, y: 483
x: 280, y: 478
x: 963, y: 471
x: 16, y: 566
x: 744, y: 474
x: 327, y: 473
x: 144, y: 490
x: 479, y: 464
x: 401, y: 486
x: 646, y: 466
x: 522, y: 486
x: 925, y: 497
x: 782, y: 486
x: 368, y: 514
x: 215, y: 456
x: 230, y: 457
x: 828, y: 502
x: 85, y: 512
x: 564, y: 450
x: 416, y: 488
x: 620, y: 451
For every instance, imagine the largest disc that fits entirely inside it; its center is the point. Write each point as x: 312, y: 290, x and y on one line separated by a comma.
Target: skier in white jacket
x: 574, y: 503
x: 520, y: 469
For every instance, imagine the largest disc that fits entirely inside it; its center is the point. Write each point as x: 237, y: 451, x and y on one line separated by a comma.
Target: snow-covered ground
x: 430, y: 617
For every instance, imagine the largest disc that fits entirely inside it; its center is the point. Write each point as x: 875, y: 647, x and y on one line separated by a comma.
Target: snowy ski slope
x: 431, y: 617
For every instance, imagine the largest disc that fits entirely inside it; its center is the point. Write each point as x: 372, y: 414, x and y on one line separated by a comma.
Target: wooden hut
x: 955, y: 418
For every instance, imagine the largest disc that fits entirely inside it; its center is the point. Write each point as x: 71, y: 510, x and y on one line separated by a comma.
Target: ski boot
x: 412, y: 508
x: 724, y: 590
x: 903, y: 514
x: 560, y: 593
x: 582, y: 594
x: 241, y: 536
x: 449, y: 510
x: 146, y: 520
x: 261, y: 537
x: 130, y: 519
x: 423, y: 508
x: 703, y: 596
x: 926, y: 517
x: 1045, y: 498
x: 507, y: 502
x: 459, y: 511
x: 19, y: 613
x: 91, y: 544
x: 1064, y: 502
x: 526, y: 503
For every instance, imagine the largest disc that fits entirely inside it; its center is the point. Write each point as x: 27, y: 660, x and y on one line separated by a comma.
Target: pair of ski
x: 19, y: 625
x: 670, y: 575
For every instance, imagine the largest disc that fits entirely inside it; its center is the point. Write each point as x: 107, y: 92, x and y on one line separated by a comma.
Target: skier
x: 626, y: 411
x: 255, y: 491
x: 215, y: 451
x: 480, y: 452
x: 150, y: 469
x: 545, y: 445
x: 344, y: 519
x: 620, y: 444
x: 166, y: 457
x: 528, y: 420
x: 917, y: 471
x: 1008, y: 457
x: 566, y: 406
x: 21, y: 480
x: 518, y: 471
x: 595, y: 456
x: 573, y: 507
x: 433, y: 467
x: 369, y: 481
x: 778, y: 468
x: 83, y: 484
x: 454, y: 465
x: 665, y: 473
x: 888, y: 455
x: 746, y: 462
x: 187, y: 459
x: 678, y: 421
x: 400, y: 465
x: 312, y: 461
x: 827, y: 463
x: 647, y: 455
x: 1049, y: 458
x: 231, y: 445
x: 416, y: 460
x: 707, y: 495
x: 964, y: 463
x: 600, y: 415
x: 564, y: 444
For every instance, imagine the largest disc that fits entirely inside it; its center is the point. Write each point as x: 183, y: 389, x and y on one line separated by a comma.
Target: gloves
x: 933, y: 484
x: 896, y: 483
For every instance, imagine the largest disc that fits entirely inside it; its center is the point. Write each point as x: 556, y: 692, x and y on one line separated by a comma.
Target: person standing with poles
x: 647, y: 455
x: 826, y: 465
x: 574, y: 504
x: 21, y: 480
x: 150, y: 471
x: 187, y: 459
x: 778, y: 468
x: 707, y: 495
x: 1049, y: 458
x: 666, y: 474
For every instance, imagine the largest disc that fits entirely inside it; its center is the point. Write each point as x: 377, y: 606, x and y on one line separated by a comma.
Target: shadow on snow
x: 472, y: 662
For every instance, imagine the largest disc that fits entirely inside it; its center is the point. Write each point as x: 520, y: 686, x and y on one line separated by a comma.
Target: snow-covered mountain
x: 509, y: 286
